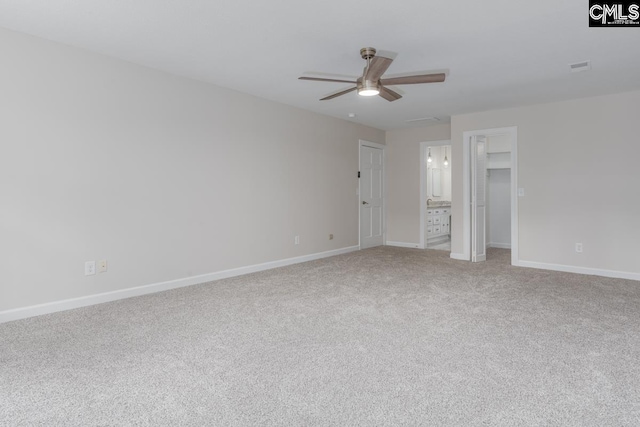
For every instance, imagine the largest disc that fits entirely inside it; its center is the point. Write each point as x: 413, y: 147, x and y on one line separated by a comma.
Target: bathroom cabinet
x: 438, y: 222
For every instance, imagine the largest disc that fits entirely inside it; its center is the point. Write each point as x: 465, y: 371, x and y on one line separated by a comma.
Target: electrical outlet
x: 296, y: 240
x: 579, y: 248
x: 330, y: 236
x: 102, y: 266
x: 89, y: 268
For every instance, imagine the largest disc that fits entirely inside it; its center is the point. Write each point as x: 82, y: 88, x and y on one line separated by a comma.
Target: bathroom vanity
x: 438, y: 221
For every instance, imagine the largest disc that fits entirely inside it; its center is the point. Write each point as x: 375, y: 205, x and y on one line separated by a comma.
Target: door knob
x: 364, y: 203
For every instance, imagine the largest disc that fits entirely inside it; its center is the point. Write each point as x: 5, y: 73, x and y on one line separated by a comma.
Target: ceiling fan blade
x: 410, y: 80
x: 377, y: 67
x: 318, y: 79
x: 388, y: 94
x: 335, y: 95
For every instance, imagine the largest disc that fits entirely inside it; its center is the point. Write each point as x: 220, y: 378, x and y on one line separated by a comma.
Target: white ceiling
x: 498, y: 53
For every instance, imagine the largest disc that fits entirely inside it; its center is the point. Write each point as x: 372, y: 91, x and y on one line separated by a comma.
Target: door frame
x: 361, y: 143
x: 466, y: 188
x: 423, y: 184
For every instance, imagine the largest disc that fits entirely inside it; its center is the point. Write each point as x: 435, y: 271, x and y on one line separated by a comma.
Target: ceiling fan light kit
x: 371, y: 83
x: 367, y: 88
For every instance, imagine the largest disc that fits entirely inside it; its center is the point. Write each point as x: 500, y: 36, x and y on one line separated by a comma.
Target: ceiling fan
x: 371, y: 83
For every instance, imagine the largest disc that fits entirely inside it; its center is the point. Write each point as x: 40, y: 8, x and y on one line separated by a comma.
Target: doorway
x: 371, y: 191
x: 490, y: 192
x: 435, y: 206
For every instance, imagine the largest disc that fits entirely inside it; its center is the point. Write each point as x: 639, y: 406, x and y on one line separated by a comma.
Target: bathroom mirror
x: 436, y: 182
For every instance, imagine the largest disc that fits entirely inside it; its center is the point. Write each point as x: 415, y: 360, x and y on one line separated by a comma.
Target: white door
x: 371, y: 222
x: 478, y: 198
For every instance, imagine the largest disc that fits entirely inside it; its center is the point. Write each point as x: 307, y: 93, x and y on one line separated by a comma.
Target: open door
x: 478, y: 198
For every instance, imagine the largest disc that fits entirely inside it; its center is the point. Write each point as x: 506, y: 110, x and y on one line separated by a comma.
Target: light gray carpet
x: 385, y: 336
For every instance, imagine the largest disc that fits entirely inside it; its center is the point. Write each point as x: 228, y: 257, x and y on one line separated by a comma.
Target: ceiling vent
x: 423, y: 119
x: 580, y: 66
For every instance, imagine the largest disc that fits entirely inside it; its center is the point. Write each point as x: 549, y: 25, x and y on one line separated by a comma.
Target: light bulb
x: 368, y: 92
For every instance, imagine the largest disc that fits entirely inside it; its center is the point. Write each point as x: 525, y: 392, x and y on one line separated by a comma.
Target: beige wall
x: 578, y: 163
x: 163, y: 176
x: 403, y: 180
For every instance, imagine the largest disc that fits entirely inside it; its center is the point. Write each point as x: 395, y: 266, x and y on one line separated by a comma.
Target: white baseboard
x: 68, y: 304
x: 580, y: 270
x: 460, y: 257
x: 499, y: 245
x: 402, y: 244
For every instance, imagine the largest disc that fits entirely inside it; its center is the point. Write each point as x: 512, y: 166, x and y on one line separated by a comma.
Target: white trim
x: 423, y: 186
x: 461, y: 257
x: 371, y: 144
x: 499, y: 245
x: 466, y: 188
x: 403, y: 244
x: 515, y: 257
x: 361, y: 143
x: 581, y: 270
x: 68, y: 304
x: 466, y: 197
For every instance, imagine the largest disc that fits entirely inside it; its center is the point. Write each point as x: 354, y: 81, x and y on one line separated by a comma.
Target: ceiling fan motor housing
x: 367, y: 52
x: 367, y: 87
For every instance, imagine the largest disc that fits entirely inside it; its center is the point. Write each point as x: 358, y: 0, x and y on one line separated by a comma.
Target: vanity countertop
x: 442, y: 204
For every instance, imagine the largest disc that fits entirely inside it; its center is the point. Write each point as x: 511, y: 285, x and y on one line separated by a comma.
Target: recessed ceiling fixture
x: 423, y: 119
x: 580, y: 66
x: 371, y: 83
x: 352, y: 115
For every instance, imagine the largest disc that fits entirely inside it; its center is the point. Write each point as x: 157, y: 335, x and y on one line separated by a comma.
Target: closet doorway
x: 490, y: 205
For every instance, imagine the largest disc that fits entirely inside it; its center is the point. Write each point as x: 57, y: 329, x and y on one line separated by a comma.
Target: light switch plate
x: 102, y: 266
